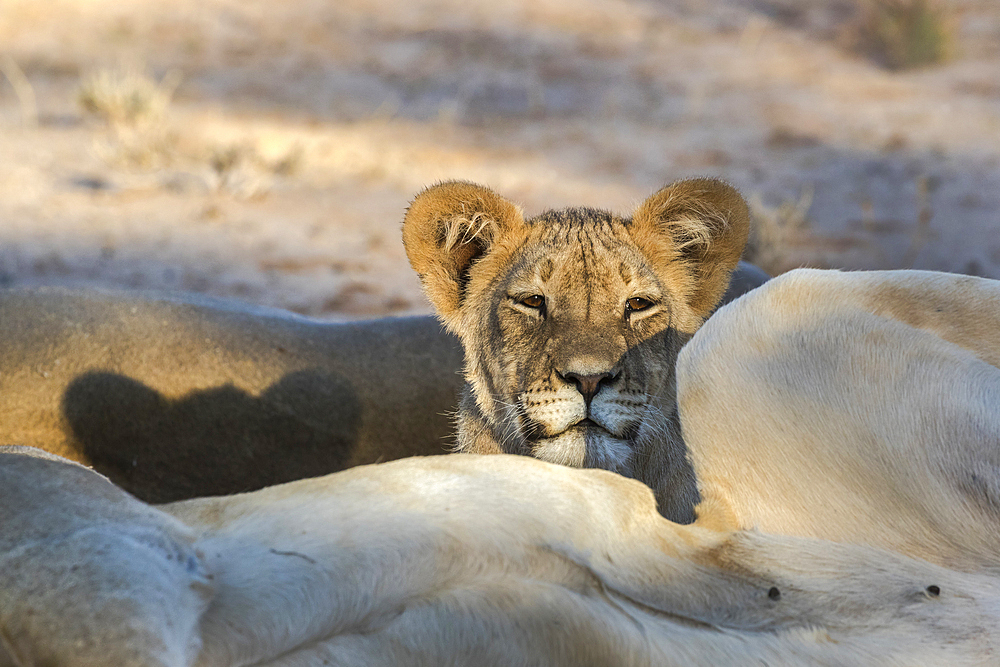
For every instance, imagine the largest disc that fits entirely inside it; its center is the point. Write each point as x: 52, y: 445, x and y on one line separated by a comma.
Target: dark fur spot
x: 775, y: 594
x: 625, y: 272
x: 546, y: 269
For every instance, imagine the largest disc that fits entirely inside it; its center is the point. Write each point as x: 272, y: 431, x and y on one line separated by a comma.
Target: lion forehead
x: 578, y: 263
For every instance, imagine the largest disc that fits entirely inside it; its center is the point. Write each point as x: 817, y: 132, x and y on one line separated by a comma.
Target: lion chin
x: 585, y: 445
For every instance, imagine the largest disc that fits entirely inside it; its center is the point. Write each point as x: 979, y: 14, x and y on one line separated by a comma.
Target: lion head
x: 572, y: 320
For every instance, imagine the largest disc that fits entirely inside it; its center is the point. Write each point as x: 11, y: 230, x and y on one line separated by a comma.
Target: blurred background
x: 267, y: 151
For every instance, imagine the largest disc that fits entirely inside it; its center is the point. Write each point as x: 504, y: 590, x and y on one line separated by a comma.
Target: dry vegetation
x: 905, y: 33
x: 267, y: 151
x: 126, y: 97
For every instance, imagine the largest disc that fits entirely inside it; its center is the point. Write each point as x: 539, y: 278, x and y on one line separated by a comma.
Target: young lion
x: 572, y: 320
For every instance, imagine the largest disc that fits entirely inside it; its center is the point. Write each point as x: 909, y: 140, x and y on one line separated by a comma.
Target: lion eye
x: 637, y: 303
x: 533, y: 301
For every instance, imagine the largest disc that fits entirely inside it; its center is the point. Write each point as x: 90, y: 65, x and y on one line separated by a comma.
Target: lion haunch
x: 572, y: 320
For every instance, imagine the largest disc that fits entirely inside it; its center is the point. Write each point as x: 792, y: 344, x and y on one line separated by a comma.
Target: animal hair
x: 464, y: 229
x: 697, y: 225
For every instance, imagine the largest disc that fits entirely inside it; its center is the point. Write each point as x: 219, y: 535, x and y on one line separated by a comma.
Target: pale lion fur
x: 836, y: 423
x: 876, y: 411
x: 410, y: 563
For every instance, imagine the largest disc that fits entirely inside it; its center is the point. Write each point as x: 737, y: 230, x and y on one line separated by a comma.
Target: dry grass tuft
x: 240, y: 169
x: 23, y: 89
x: 236, y: 170
x: 134, y: 107
x: 127, y: 97
x: 135, y: 110
x: 903, y: 34
x: 227, y: 159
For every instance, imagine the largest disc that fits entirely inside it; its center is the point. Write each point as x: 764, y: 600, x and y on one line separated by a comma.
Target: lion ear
x: 698, y: 227
x: 446, y: 229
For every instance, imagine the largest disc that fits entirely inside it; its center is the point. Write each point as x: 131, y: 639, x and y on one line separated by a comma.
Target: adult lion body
x: 410, y: 562
x: 176, y: 396
x: 857, y: 407
x: 843, y: 429
x: 572, y: 320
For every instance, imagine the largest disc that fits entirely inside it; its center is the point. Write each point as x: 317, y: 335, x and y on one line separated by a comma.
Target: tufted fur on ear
x: 447, y: 228
x: 697, y: 227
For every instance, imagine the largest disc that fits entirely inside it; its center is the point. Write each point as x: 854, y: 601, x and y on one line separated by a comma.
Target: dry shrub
x: 227, y: 159
x: 134, y: 107
x: 776, y: 233
x: 127, y: 96
x: 782, y: 238
x: 240, y: 169
x: 236, y: 170
x: 905, y: 33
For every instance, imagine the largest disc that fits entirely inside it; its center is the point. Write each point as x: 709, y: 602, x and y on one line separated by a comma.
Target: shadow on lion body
x: 174, y: 397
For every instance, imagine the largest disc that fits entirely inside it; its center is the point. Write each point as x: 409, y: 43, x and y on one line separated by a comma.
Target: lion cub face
x: 580, y: 314
x: 572, y: 320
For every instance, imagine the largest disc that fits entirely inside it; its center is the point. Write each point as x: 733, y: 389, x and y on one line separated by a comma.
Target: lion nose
x: 589, y: 385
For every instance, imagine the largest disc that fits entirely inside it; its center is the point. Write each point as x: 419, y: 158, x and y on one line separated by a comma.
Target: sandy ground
x: 298, y: 132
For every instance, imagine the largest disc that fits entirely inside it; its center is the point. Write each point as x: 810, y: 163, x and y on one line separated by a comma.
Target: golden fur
x: 571, y: 321
x: 178, y: 396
